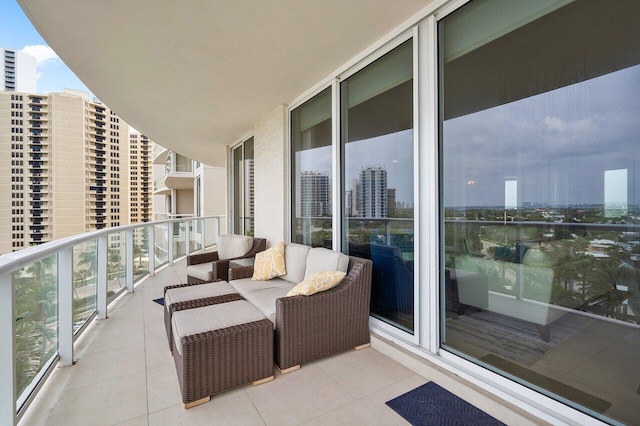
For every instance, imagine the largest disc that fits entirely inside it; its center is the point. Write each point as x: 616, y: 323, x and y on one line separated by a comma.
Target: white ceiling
x: 196, y: 75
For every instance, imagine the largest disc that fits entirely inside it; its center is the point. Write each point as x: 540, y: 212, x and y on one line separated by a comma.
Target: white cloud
x: 43, y: 54
x: 38, y: 76
x: 555, y: 123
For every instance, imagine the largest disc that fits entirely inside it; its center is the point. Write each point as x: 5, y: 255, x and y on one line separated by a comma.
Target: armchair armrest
x: 312, y: 327
x: 240, y: 272
x: 169, y: 287
x: 195, y: 259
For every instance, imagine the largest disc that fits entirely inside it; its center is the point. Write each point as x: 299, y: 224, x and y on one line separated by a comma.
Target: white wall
x: 269, y: 175
x: 26, y: 73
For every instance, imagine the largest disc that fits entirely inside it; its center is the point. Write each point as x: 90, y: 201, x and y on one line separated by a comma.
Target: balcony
x: 160, y: 154
x: 112, y: 332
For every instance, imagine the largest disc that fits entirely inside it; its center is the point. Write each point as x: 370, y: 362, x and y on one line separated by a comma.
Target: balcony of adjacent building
x: 160, y: 154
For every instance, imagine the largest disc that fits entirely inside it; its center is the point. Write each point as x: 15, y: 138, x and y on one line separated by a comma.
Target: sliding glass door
x: 311, y: 169
x: 242, y: 188
x: 540, y: 175
x: 378, y: 180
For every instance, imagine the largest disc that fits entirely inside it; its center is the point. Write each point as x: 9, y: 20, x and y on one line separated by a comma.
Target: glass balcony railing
x: 48, y: 293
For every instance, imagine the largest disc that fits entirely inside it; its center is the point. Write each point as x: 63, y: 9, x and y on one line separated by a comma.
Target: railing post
x: 65, y: 306
x: 170, y: 242
x: 128, y: 255
x: 7, y: 351
x: 101, y: 290
x: 187, y: 236
x: 151, y: 244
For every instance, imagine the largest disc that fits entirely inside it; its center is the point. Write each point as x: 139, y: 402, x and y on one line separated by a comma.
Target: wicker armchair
x: 326, y: 323
x: 220, y: 267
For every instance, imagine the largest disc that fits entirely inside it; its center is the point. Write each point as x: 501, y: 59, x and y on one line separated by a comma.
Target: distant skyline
x: 393, y: 151
x: 559, y: 146
x: 17, y: 32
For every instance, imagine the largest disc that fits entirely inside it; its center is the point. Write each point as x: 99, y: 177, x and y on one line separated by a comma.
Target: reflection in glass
x: 311, y: 172
x: 36, y: 298
x: 242, y: 158
x: 378, y: 180
x: 540, y: 219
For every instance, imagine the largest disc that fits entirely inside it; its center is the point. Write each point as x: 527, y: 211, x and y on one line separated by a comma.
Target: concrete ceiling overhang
x: 195, y: 75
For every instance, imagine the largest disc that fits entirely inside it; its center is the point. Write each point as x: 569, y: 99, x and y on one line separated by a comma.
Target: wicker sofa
x: 213, y: 266
x: 316, y: 326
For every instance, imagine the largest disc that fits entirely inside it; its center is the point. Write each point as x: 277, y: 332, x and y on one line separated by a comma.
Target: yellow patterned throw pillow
x: 320, y: 281
x: 269, y: 263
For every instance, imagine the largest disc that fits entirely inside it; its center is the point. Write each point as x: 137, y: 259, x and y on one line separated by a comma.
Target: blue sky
x: 16, y: 32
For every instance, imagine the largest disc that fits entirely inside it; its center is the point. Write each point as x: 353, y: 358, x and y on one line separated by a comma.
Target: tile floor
x: 124, y: 375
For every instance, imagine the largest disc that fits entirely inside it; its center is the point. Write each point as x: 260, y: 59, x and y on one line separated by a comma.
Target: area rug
x: 431, y: 405
x: 159, y: 301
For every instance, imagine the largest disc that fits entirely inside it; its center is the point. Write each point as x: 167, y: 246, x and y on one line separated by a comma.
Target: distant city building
x: 371, y: 192
x: 140, y: 178
x: 391, y: 201
x: 18, y: 71
x: 315, y: 194
x: 63, y: 167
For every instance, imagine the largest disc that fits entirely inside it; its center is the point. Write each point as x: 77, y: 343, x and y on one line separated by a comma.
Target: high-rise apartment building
x: 18, y: 71
x: 315, y: 194
x: 140, y: 178
x: 371, y: 192
x: 63, y: 167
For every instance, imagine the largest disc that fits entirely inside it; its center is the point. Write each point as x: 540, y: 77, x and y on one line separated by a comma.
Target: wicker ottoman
x: 221, y: 346
x: 195, y: 296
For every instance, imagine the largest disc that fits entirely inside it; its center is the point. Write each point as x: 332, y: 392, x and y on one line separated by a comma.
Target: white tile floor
x: 124, y: 375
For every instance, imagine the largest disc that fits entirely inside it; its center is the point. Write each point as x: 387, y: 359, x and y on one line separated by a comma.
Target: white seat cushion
x: 263, y: 294
x: 322, y: 259
x: 295, y: 259
x: 212, y: 317
x: 231, y: 246
x: 201, y: 271
x: 195, y: 292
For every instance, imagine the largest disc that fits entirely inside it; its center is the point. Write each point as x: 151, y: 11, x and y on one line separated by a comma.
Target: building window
x: 311, y: 171
x: 242, y: 188
x: 540, y: 197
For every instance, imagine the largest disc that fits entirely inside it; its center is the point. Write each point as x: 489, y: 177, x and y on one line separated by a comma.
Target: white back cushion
x: 322, y: 259
x: 295, y: 259
x: 230, y: 246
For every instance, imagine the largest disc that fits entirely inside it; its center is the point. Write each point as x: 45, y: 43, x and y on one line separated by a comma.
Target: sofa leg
x: 262, y: 381
x: 288, y: 370
x: 198, y: 402
x: 366, y: 345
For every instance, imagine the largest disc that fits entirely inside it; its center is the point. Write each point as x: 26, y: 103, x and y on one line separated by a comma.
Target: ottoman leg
x: 262, y: 381
x: 198, y: 402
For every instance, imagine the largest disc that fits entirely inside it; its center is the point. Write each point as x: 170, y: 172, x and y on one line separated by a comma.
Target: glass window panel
x: 242, y: 158
x: 238, y: 193
x: 140, y: 253
x: 161, y: 248
x: 311, y: 168
x: 378, y: 180
x: 85, y: 272
x: 248, y: 187
x: 116, y: 281
x: 540, y: 175
x: 36, y: 295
